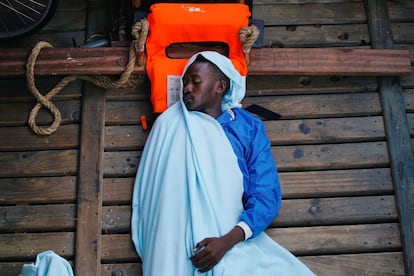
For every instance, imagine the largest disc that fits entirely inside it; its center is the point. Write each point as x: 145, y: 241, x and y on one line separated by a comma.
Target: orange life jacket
x: 172, y: 23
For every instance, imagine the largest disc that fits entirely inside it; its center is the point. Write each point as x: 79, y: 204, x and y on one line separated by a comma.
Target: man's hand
x: 209, y: 251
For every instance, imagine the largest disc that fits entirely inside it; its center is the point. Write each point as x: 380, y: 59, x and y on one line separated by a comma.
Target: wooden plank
x: 126, y: 112
x: 331, y: 156
x: 25, y: 246
x: 265, y: 61
x: 351, y: 62
x: 38, y: 190
x: 355, y: 182
x: 14, y: 268
x: 39, y: 163
x: 11, y: 268
x: 317, y: 36
x: 118, y: 247
x: 283, y: 85
x: 409, y: 100
x: 320, y: 106
x: 32, y: 218
x: 116, y: 219
x: 410, y: 118
x: 121, y: 269
x: 309, y: 13
x: 14, y: 89
x: 345, y: 239
x: 307, y: 184
x: 139, y: 92
x: 289, y: 106
x: 403, y: 32
x: 362, y: 238
x: 117, y: 190
x: 122, y: 163
x: 288, y: 158
x: 354, y: 129
x: 400, y: 11
x: 344, y: 265
x: 124, y: 137
x: 398, y: 135
x: 66, y: 138
x: 88, y: 239
x: 294, y: 184
x: 280, y: 132
x: 294, y: 212
x: 17, y: 113
x: 332, y: 211
x: 384, y: 264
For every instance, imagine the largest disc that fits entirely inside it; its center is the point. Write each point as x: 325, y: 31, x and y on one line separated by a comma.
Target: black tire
x: 20, y: 18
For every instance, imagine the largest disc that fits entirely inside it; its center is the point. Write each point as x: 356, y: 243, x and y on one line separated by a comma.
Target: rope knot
x: 248, y: 36
x: 140, y: 32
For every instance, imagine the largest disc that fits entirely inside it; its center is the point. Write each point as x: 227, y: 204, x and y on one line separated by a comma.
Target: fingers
x: 203, y: 258
x: 201, y: 245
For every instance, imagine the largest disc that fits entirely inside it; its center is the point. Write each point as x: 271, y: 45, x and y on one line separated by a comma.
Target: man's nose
x: 187, y: 89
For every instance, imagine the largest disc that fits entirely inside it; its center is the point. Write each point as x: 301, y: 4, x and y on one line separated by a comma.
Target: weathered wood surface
x: 398, y: 135
x: 17, y: 113
x: 265, y: 61
x: 384, y: 264
x: 294, y: 212
x: 47, y: 218
x: 355, y: 182
x: 15, y: 89
x: 67, y: 137
x: 39, y: 163
x: 89, y: 208
x: 38, y: 190
x: 25, y: 246
x: 346, y: 264
x: 314, y: 240
x: 337, y: 215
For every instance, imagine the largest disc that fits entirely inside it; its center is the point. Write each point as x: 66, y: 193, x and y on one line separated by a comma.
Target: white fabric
x: 189, y: 187
x: 183, y: 191
x: 246, y: 229
x: 48, y: 263
x: 237, y: 88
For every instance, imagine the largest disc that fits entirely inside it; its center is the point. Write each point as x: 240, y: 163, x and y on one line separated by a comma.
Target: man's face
x: 201, y: 91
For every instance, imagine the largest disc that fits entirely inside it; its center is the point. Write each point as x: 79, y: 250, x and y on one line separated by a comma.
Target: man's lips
x: 187, y: 98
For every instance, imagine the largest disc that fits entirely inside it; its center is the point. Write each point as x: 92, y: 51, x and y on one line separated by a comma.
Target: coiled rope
x: 140, y: 31
x: 247, y: 36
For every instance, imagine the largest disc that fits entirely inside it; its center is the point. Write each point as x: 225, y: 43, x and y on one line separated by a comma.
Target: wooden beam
x: 90, y: 178
x: 397, y: 131
x: 90, y: 182
x: 264, y: 61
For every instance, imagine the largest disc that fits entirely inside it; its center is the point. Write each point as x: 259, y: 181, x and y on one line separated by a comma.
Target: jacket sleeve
x: 262, y: 196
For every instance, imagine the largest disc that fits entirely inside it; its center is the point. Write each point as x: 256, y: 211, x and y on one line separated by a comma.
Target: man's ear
x: 221, y: 86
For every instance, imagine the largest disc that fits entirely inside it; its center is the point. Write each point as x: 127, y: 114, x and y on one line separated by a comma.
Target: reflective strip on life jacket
x: 171, y: 23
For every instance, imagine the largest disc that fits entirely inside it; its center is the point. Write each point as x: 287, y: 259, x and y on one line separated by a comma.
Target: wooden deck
x: 341, y: 148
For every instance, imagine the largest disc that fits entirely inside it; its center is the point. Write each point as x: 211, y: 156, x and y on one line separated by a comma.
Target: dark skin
x: 203, y: 91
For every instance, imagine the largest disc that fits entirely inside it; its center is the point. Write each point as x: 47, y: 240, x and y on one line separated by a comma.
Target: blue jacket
x: 262, y: 193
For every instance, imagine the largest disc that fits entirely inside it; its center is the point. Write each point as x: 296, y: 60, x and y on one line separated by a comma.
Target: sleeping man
x: 207, y: 186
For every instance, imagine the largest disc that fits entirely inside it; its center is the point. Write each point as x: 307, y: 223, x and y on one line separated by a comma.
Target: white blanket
x: 189, y: 187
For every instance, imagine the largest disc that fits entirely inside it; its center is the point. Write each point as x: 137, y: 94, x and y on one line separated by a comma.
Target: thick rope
x: 140, y: 30
x: 248, y: 36
x: 126, y: 80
